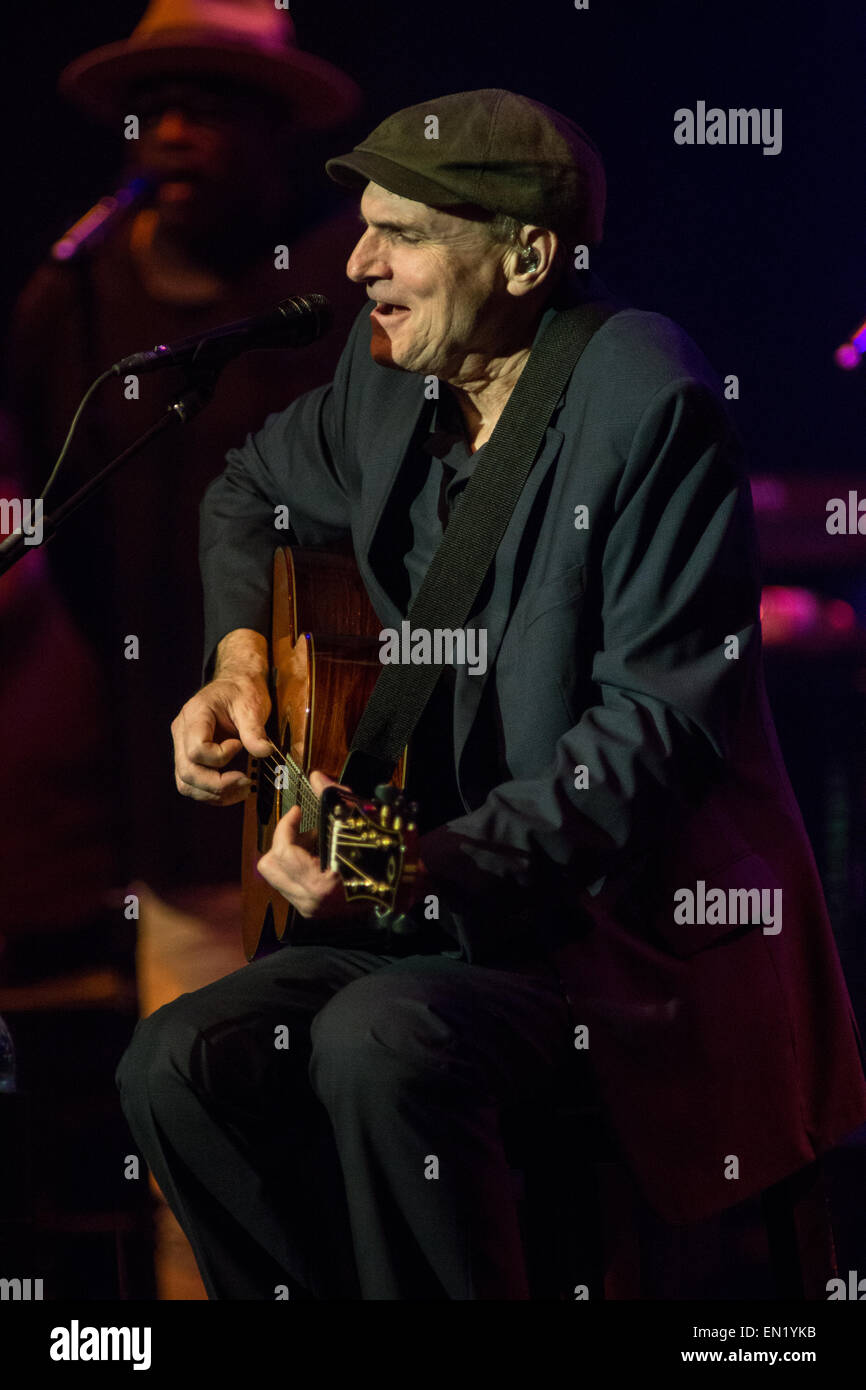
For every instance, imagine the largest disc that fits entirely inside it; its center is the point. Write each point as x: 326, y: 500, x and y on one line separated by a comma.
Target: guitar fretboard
x: 295, y: 790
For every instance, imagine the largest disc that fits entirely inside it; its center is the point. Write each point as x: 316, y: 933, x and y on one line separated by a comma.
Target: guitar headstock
x: 372, y: 843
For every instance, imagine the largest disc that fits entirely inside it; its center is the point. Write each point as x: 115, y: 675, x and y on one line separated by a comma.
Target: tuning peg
x: 386, y: 793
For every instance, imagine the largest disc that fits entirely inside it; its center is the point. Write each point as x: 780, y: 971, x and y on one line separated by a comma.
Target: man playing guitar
x: 617, y: 751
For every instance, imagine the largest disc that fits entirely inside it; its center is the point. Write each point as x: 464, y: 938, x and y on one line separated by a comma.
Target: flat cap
x: 491, y: 148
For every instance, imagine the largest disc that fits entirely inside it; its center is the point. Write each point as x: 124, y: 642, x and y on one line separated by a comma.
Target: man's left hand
x: 294, y: 871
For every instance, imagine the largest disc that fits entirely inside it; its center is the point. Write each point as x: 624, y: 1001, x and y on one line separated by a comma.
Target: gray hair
x: 504, y: 230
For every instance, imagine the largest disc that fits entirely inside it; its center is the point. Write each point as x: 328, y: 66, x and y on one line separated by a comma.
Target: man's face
x: 438, y: 283
x: 208, y: 145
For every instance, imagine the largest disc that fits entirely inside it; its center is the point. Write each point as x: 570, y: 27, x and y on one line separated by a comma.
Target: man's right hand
x: 225, y: 717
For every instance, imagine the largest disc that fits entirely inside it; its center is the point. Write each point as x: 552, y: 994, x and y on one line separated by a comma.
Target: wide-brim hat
x: 250, y: 42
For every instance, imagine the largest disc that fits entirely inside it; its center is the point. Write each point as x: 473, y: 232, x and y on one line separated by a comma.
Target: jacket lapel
x: 495, y: 613
x: 389, y: 444
x: 387, y: 452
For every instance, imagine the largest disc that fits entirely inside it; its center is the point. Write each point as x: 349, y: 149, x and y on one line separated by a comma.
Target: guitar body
x: 324, y: 664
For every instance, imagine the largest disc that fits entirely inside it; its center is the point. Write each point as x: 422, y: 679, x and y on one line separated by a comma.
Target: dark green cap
x: 496, y: 150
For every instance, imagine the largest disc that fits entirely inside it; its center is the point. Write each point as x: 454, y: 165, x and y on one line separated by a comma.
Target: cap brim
x: 361, y: 167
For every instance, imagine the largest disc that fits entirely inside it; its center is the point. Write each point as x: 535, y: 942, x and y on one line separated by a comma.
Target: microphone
x: 295, y: 323
x: 95, y: 225
x: 848, y: 355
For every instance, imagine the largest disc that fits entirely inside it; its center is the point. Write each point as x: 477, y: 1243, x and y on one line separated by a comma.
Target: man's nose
x: 367, y: 261
x: 173, y: 127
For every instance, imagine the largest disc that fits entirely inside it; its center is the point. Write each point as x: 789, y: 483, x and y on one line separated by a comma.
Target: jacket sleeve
x: 680, y: 639
x: 296, y: 461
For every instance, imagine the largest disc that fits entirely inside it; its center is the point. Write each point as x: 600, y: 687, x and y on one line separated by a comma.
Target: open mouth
x: 177, y: 186
x: 387, y: 311
x: 176, y: 191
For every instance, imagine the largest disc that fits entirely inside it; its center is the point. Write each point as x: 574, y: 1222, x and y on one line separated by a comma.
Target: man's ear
x: 531, y: 260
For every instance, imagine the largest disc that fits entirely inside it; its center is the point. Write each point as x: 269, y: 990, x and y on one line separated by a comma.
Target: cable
x: 72, y: 428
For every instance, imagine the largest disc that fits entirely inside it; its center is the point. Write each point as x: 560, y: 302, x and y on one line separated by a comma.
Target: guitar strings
x: 309, y: 813
x: 271, y: 766
x: 303, y: 783
x: 307, y: 800
x: 301, y: 788
x: 305, y: 796
x: 371, y: 882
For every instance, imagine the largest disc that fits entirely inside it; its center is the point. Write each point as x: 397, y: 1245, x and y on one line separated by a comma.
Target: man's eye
x: 198, y: 115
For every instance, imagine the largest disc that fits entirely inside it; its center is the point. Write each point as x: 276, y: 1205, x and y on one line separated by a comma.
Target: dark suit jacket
x: 728, y: 1057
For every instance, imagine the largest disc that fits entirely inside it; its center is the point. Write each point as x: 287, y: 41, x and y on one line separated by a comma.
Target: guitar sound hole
x: 264, y: 802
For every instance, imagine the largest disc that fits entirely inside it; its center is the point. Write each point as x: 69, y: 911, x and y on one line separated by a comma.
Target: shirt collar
x: 447, y: 437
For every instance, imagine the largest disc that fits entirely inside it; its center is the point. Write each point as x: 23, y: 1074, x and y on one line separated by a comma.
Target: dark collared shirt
x: 437, y: 469
x: 443, y: 465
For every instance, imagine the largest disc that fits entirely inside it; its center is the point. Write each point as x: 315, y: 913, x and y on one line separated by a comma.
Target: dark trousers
x: 325, y: 1121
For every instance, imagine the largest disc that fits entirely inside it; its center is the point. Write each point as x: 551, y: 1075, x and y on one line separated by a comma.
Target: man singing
x: 616, y: 755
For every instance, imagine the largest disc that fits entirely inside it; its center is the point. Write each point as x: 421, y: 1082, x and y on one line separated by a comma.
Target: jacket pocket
x: 748, y: 886
x: 562, y: 588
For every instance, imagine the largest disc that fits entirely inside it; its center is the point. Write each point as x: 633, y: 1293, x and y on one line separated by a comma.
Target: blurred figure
x: 53, y: 784
x: 227, y: 109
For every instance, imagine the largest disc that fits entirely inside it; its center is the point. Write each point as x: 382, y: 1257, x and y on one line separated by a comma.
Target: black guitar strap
x: 469, y: 544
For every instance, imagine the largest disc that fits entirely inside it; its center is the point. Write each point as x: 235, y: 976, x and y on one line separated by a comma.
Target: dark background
x: 761, y: 258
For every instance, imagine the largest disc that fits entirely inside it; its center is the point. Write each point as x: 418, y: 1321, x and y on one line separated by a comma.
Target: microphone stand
x: 202, y: 381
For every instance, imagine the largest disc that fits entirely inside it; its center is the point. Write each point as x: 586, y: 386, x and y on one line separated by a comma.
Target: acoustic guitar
x: 324, y: 664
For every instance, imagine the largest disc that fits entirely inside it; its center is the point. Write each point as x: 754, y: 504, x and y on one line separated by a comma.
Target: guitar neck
x: 323, y: 640
x: 295, y: 789
x: 365, y: 842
